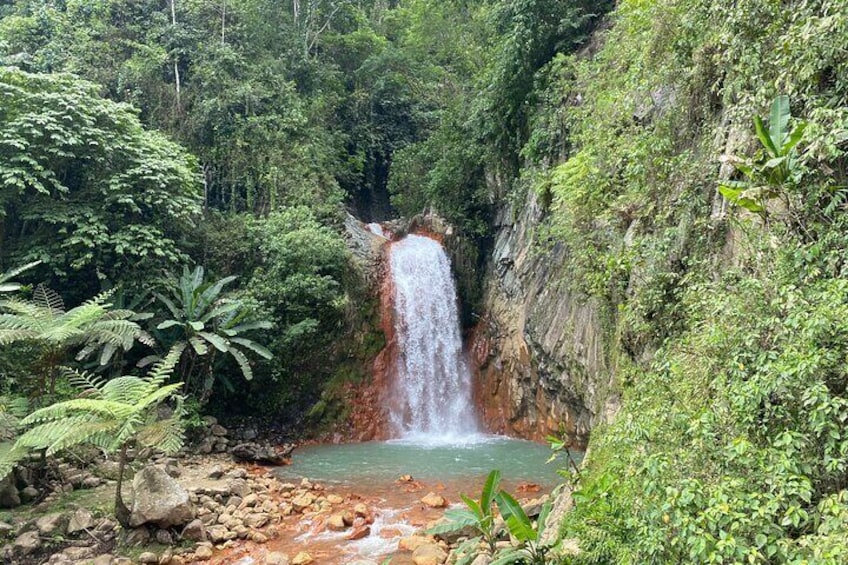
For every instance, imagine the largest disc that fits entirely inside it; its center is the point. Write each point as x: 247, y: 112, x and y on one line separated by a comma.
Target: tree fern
x: 92, y: 327
x: 108, y: 414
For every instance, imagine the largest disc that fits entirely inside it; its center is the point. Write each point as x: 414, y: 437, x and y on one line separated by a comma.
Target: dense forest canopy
x: 690, y: 156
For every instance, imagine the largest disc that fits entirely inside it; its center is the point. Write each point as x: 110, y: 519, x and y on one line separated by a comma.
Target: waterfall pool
x: 466, y: 460
x: 391, y: 477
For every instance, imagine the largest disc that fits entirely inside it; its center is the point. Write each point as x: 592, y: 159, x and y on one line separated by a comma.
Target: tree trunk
x: 176, y: 59
x: 122, y: 513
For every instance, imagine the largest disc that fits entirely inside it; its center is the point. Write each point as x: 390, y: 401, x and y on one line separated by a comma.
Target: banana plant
x: 777, y: 166
x: 205, y: 321
x: 529, y: 548
x: 478, y: 514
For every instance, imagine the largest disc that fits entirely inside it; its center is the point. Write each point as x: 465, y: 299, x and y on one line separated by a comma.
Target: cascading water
x: 433, y: 382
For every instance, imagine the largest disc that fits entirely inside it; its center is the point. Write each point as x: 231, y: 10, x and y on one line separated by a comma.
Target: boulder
x: 429, y: 554
x: 434, y: 500
x: 239, y: 487
x: 28, y: 494
x: 252, y: 452
x: 194, y: 531
x: 336, y: 523
x: 159, y: 499
x: 9, y: 496
x: 105, y: 559
x: 256, y: 520
x: 80, y: 520
x: 52, y: 524
x: 26, y: 543
x: 412, y: 543
x: 203, y: 552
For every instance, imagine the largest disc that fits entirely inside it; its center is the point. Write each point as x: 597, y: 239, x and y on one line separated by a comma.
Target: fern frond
x: 100, y: 299
x: 9, y: 456
x: 11, y: 336
x: 46, y: 434
x: 158, y: 396
x: 85, y: 382
x: 89, y: 406
x: 127, y: 389
x: 166, y: 435
x: 164, y: 368
x: 48, y: 299
x: 87, y: 432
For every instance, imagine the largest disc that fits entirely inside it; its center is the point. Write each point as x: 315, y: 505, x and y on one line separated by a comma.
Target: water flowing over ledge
x: 431, y: 400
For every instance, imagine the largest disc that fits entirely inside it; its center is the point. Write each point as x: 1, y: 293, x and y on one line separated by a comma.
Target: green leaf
x: 779, y: 121
x: 520, y: 526
x: 261, y: 350
x: 489, y: 489
x: 763, y: 135
x: 217, y: 341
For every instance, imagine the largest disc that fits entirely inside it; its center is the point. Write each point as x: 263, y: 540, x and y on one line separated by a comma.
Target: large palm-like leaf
x: 204, y: 321
x: 6, y: 282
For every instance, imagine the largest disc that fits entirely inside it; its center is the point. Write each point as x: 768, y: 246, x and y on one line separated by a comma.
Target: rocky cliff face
x: 539, y: 348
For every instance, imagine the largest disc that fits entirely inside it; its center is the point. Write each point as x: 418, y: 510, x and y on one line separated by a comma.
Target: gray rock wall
x: 539, y: 348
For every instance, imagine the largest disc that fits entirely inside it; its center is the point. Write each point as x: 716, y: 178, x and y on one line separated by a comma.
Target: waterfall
x: 433, y: 381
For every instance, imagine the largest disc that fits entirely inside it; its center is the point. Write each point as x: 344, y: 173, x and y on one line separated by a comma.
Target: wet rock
x: 159, y: 499
x: 412, y: 543
x: 194, y: 531
x: 252, y: 452
x: 334, y: 499
x: 434, y: 500
x: 336, y: 523
x: 300, y: 503
x: 276, y: 558
x: 80, y: 520
x: 348, y: 517
x: 429, y: 554
x: 359, y: 531
x: 26, y: 543
x: 259, y: 537
x: 302, y: 558
x: 361, y: 510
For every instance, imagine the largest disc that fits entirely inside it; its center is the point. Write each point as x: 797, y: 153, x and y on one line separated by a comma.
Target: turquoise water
x: 427, y: 459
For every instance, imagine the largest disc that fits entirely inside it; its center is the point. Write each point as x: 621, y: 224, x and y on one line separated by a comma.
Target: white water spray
x: 433, y: 385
